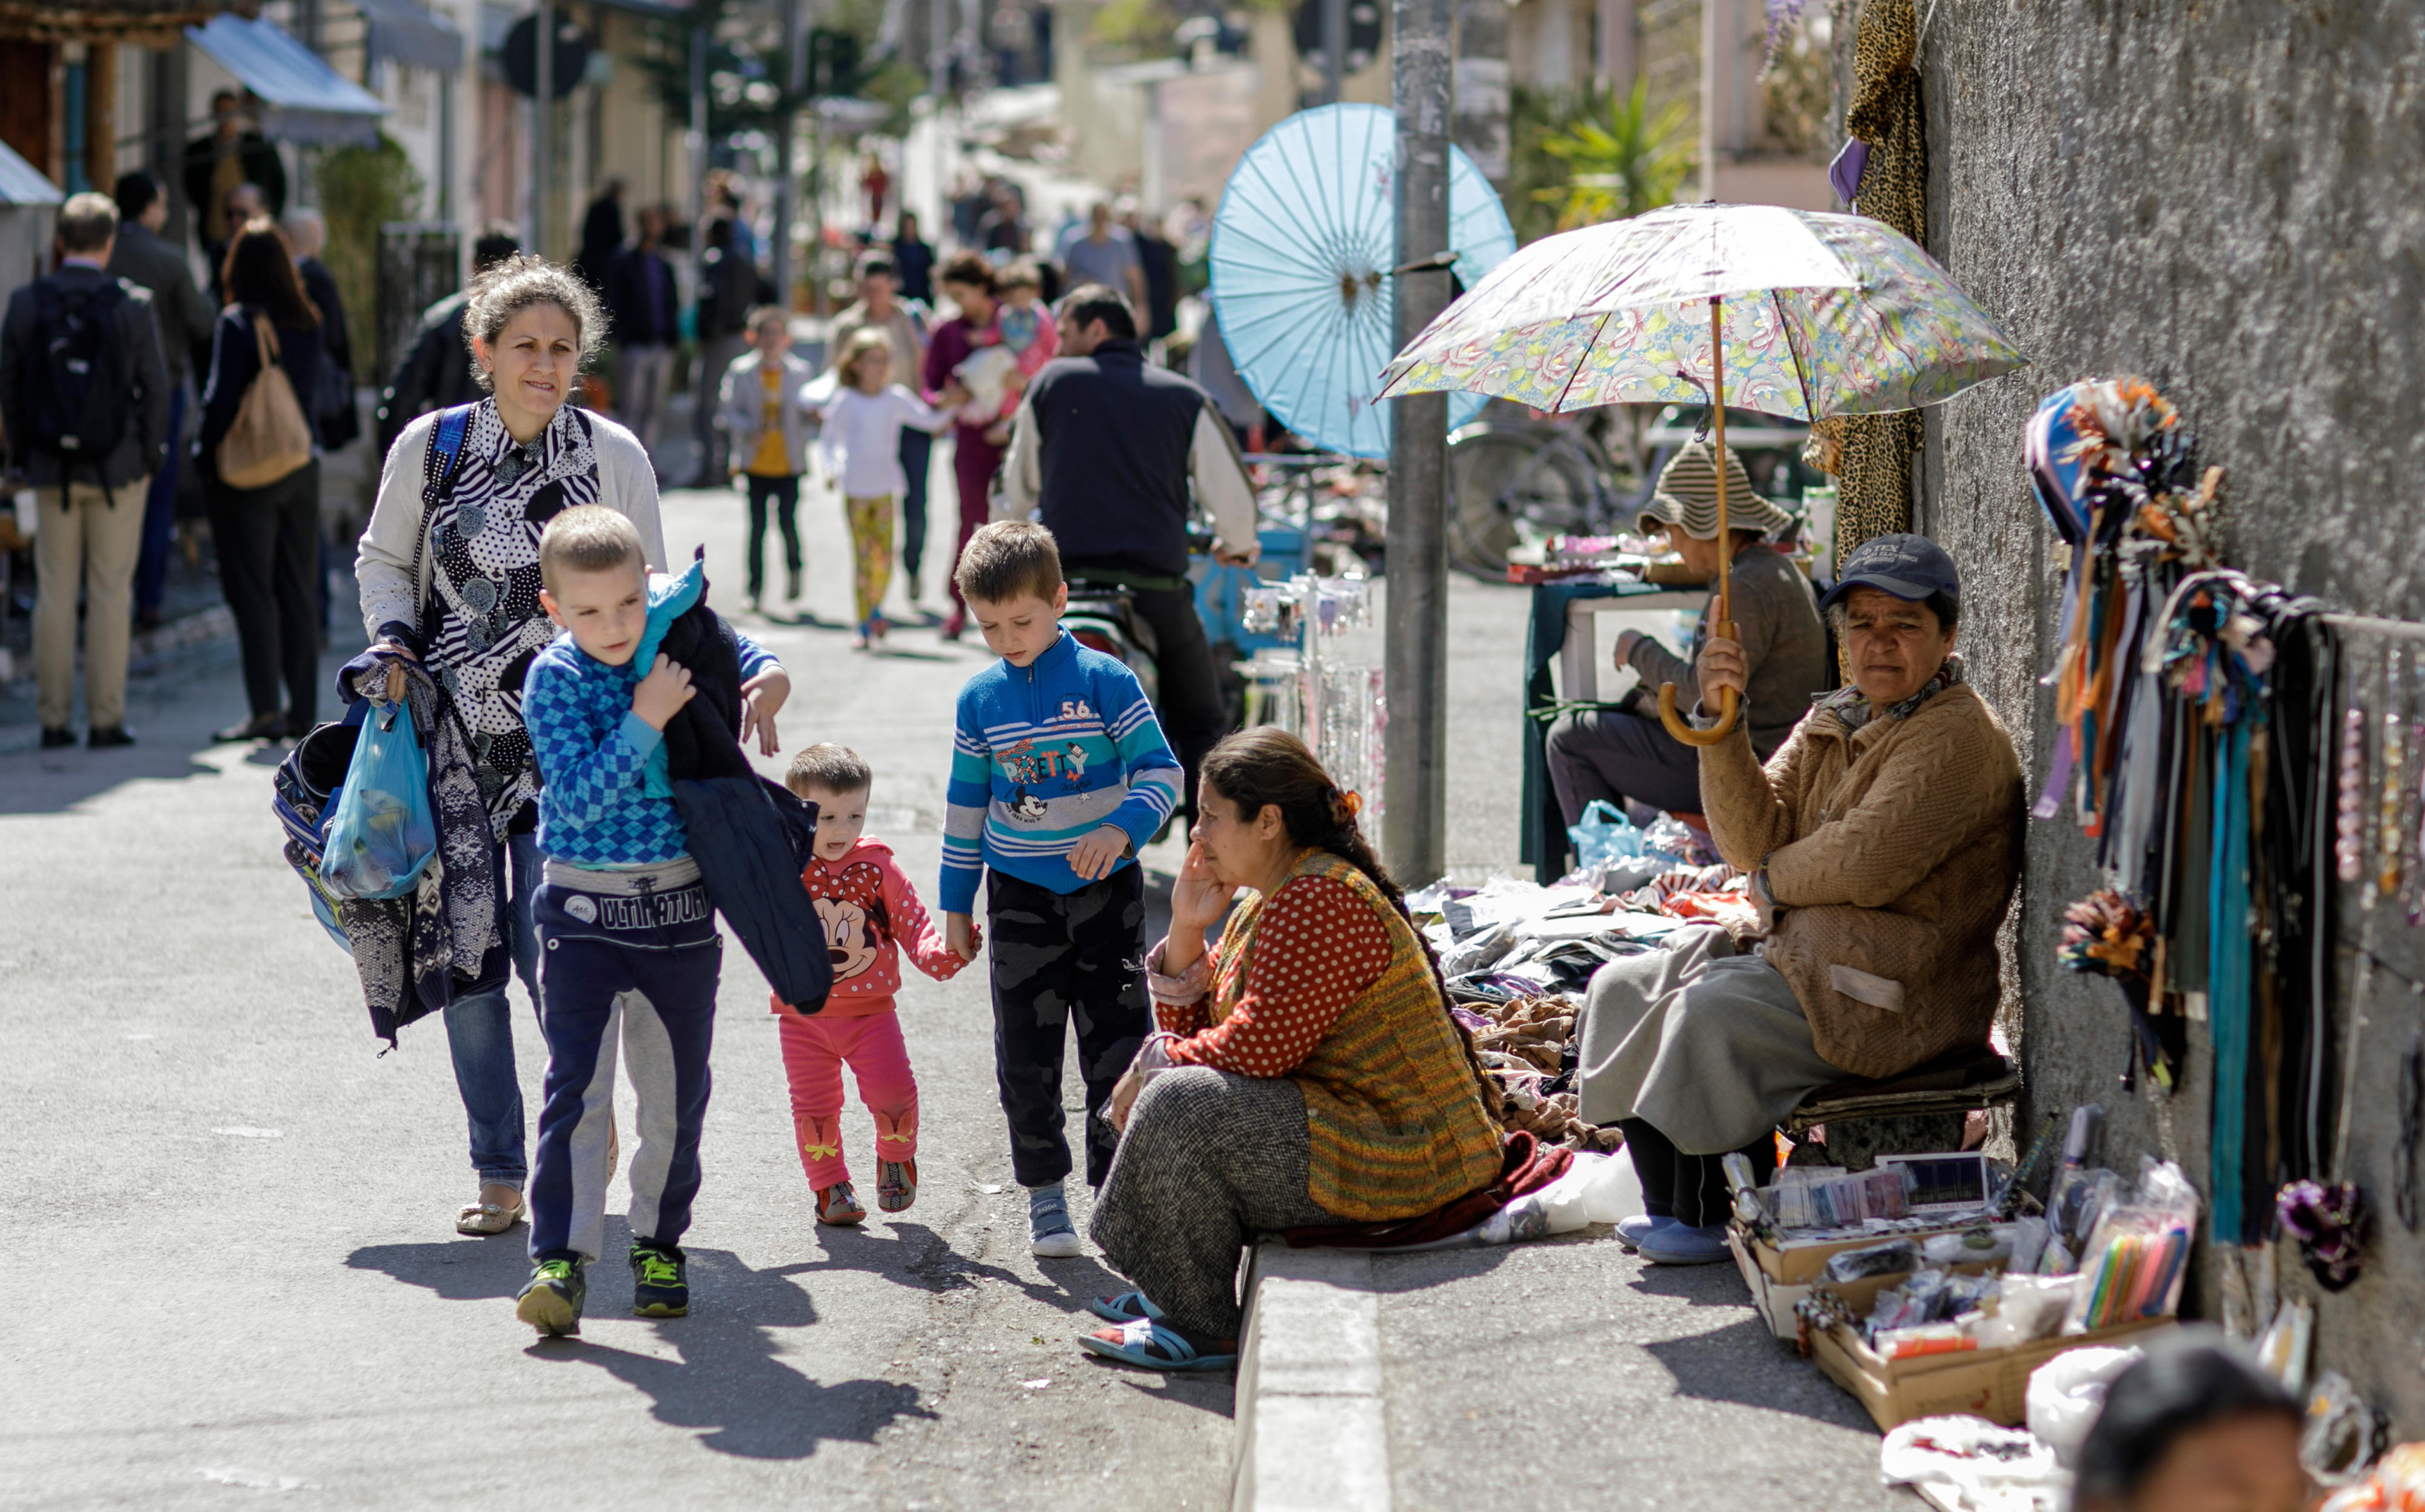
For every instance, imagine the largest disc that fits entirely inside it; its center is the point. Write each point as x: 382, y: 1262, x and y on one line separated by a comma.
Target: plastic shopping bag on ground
x: 1603, y: 834
x: 2065, y: 1395
x: 381, y: 833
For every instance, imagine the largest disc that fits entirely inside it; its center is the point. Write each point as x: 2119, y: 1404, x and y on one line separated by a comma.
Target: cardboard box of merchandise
x: 1764, y: 1266
x: 1988, y: 1383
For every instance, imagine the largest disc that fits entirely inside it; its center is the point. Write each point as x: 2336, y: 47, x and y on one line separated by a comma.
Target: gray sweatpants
x: 1209, y: 1160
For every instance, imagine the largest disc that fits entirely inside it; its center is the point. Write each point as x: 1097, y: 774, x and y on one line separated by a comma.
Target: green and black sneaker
x: 660, y: 1285
x: 550, y: 1299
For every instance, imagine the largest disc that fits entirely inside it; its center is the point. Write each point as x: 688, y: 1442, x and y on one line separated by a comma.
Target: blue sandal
x: 1126, y: 1308
x: 1147, y: 1344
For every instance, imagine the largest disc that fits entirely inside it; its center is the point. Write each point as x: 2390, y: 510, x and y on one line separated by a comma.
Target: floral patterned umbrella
x: 1784, y: 312
x: 1820, y: 315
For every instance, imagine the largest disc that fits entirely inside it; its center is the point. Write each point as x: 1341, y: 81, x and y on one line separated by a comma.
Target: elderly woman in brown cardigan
x: 1314, y: 1076
x: 1882, y: 843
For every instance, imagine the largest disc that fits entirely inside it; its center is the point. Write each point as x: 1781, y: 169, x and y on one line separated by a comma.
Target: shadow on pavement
x: 172, y: 708
x: 457, y: 1270
x: 729, y: 1382
x: 54, y: 782
x: 1738, y: 1363
x: 1212, y: 1390
x: 1428, y: 1268
x: 1703, y: 1286
x: 921, y: 1258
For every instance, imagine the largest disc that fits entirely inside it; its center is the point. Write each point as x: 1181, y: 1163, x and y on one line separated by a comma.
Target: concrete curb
x: 1312, y: 1435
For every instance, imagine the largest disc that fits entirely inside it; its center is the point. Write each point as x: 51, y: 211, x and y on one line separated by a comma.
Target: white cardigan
x: 383, y: 561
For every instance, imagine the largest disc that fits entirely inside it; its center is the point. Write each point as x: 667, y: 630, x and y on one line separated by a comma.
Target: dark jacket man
x: 1102, y: 449
x: 145, y: 439
x: 435, y: 370
x: 641, y: 298
x: 436, y: 373
x: 257, y: 163
x: 334, y: 411
x: 184, y: 316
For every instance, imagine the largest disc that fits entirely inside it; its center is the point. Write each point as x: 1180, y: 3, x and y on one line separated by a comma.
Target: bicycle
x: 1510, y: 486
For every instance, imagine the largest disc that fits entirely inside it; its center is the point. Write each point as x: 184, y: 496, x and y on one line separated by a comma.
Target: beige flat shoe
x: 489, y: 1217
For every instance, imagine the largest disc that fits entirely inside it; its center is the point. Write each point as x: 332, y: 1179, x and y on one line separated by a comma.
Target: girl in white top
x: 862, y: 448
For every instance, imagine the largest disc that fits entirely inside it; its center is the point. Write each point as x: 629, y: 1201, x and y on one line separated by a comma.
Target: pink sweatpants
x: 814, y: 1050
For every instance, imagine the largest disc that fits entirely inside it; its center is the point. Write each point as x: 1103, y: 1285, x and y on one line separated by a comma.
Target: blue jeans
x: 480, y: 1037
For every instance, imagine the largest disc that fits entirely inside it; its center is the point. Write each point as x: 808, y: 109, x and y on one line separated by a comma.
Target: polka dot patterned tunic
x: 1317, y: 948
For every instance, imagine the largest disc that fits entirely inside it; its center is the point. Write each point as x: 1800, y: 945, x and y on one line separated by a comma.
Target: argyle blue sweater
x: 1042, y: 756
x: 594, y: 808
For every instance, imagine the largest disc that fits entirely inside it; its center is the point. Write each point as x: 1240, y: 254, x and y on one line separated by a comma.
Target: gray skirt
x: 1708, y: 1047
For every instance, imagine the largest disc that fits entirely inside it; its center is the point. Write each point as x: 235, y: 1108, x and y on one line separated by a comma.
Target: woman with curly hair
x: 1314, y: 1076
x: 449, y: 577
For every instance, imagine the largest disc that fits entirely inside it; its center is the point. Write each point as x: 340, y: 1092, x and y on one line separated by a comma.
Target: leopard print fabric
x: 1870, y: 455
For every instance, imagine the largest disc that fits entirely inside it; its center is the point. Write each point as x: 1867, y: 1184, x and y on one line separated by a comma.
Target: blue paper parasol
x: 1302, y: 252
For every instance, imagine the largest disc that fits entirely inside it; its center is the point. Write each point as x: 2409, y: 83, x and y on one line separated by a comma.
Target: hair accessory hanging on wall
x: 2349, y: 848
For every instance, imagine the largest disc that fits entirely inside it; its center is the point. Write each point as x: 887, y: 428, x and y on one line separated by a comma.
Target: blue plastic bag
x: 380, y: 833
x: 1603, y: 834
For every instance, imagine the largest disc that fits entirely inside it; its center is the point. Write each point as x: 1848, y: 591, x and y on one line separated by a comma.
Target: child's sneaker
x: 896, y: 1184
x: 839, y: 1205
x: 1050, y: 1233
x: 660, y: 1281
x: 550, y: 1299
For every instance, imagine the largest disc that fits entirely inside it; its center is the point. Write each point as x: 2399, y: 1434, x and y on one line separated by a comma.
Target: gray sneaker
x: 1050, y: 1233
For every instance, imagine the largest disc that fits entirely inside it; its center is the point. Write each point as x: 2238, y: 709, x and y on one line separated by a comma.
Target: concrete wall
x: 2221, y: 196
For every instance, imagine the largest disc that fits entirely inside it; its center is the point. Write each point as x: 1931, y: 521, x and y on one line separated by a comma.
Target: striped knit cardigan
x: 1392, y: 1108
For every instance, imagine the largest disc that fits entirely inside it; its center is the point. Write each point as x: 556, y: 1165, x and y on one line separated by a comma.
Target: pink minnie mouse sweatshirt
x: 871, y: 913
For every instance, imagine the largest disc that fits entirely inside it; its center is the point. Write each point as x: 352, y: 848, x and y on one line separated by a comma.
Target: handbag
x: 270, y: 439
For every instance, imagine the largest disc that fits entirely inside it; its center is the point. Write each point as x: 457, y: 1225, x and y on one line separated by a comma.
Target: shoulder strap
x: 447, y: 448
x: 446, y: 455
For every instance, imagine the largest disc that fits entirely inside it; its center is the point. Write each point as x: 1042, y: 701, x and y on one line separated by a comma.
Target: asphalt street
x: 249, y: 1284
x: 249, y: 1288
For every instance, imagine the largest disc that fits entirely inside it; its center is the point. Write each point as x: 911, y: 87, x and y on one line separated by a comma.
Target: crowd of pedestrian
x: 127, y: 390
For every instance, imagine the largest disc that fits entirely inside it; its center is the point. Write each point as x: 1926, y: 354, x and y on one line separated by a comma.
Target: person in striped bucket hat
x: 1624, y: 755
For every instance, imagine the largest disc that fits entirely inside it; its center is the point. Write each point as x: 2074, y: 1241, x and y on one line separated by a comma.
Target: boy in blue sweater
x: 1059, y: 773
x: 627, y: 936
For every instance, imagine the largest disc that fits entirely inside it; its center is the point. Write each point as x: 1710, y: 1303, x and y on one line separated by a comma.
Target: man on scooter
x: 1101, y: 452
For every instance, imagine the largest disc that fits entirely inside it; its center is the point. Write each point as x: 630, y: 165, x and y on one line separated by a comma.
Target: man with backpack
x: 84, y: 394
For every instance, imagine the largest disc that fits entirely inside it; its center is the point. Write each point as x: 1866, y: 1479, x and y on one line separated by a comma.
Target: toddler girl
x: 871, y: 913
x: 862, y: 448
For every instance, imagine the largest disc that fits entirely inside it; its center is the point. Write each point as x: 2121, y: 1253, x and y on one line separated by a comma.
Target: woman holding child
x: 449, y: 574
x: 967, y: 281
x: 1315, y: 1076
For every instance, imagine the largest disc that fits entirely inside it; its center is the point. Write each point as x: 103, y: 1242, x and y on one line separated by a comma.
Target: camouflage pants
x: 1059, y: 956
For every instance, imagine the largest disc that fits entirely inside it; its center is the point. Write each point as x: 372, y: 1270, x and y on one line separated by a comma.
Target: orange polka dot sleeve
x: 1316, y: 947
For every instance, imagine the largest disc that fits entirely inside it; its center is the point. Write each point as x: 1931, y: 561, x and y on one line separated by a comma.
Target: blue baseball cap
x: 1909, y: 567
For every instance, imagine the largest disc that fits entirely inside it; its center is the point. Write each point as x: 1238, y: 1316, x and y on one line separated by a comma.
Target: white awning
x: 309, y: 101
x: 21, y: 183
x: 403, y: 32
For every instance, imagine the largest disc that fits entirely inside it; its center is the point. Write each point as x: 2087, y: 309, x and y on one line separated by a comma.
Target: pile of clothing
x: 1526, y: 1047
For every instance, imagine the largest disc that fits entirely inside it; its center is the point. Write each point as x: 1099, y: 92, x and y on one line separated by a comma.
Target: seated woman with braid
x: 1314, y: 1075
x: 1882, y: 840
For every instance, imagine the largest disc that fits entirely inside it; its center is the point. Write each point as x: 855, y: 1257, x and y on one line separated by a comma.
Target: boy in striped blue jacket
x: 1059, y: 774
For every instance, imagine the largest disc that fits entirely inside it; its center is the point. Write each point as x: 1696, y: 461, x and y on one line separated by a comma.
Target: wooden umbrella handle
x: 1729, y: 702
